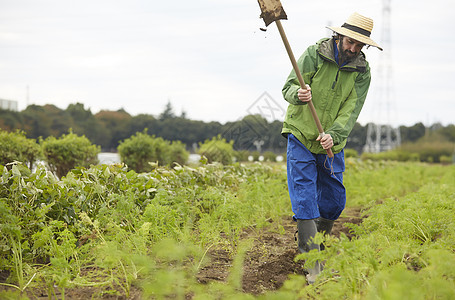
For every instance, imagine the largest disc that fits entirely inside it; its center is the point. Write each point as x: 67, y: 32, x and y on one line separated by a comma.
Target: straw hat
x: 359, y: 28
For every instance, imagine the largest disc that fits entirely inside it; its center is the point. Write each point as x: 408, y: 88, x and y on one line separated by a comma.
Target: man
x: 338, y: 77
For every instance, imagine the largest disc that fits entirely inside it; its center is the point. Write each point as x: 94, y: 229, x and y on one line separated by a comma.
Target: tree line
x: 108, y: 128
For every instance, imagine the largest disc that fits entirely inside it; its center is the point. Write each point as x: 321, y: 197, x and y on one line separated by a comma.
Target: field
x: 213, y: 232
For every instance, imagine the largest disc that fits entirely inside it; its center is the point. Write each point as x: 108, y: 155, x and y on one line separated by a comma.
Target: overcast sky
x: 210, y: 59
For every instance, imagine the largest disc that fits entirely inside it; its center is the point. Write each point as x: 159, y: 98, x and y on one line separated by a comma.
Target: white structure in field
x: 383, y: 137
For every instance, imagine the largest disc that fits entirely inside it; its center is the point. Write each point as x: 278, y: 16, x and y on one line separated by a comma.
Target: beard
x: 346, y: 55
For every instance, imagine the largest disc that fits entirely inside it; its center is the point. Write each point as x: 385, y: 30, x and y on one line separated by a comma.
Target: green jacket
x: 338, y: 96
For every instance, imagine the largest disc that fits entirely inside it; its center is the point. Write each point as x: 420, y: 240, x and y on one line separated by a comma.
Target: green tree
x: 430, y: 148
x: 35, y: 122
x: 68, y: 152
x: 168, y: 112
x: 217, y: 150
x: 413, y: 133
x: 242, y: 155
x: 448, y: 133
x: 140, y: 122
x: 254, y: 128
x: 44, y: 121
x: 276, y: 142
x: 11, y: 120
x: 139, y: 150
x: 116, y: 125
x: 269, y: 156
x: 15, y: 146
x: 357, y: 138
x: 178, y: 152
x: 85, y: 123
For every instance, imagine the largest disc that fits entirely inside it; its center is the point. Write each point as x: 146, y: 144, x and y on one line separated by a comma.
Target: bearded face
x: 349, y: 48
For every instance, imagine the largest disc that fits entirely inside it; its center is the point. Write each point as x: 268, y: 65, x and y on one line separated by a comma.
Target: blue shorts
x: 315, y: 190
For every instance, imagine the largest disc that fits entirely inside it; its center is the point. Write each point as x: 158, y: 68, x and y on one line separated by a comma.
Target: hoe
x: 272, y: 11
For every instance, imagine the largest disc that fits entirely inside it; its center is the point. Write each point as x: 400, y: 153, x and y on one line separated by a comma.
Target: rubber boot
x: 306, y: 231
x: 325, y: 226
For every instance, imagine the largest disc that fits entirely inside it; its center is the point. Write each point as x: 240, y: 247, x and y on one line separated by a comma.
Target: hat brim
x: 355, y: 35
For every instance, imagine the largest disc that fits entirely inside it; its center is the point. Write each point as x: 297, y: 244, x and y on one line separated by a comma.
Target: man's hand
x: 304, y: 95
x: 326, y: 141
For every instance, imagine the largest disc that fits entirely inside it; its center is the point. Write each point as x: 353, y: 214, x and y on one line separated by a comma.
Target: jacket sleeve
x: 350, y: 109
x: 307, y: 67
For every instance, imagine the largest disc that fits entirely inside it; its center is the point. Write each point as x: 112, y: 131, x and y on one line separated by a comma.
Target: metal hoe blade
x: 271, y: 11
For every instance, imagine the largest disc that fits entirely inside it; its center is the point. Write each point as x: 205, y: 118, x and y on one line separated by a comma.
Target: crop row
x: 118, y: 231
x: 403, y: 249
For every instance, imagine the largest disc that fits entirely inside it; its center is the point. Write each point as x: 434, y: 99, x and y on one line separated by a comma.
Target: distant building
x: 8, y: 105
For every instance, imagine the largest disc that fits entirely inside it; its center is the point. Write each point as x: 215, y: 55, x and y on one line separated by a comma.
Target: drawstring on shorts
x: 331, y: 164
x: 321, y: 135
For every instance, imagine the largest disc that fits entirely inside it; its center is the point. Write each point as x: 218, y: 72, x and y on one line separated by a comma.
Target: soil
x: 271, y: 258
x: 267, y: 264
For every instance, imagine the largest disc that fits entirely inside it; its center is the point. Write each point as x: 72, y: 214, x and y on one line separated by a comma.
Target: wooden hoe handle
x: 302, y: 83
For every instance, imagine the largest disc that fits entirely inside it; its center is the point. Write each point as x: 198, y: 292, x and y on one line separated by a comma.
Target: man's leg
x: 306, y: 232
x: 302, y: 176
x: 324, y: 226
x: 331, y: 192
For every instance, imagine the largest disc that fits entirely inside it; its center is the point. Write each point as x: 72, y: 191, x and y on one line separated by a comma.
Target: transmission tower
x: 382, y: 136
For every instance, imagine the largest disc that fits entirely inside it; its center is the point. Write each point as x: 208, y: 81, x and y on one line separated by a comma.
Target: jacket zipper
x: 332, y: 60
x: 338, y: 72
x: 336, y: 79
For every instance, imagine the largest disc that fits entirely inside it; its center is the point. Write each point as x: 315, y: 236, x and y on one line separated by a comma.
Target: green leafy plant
x: 351, y: 153
x: 398, y: 252
x: 241, y: 155
x: 269, y: 156
x: 12, y: 243
x: 430, y: 148
x: 217, y: 150
x: 15, y: 146
x: 122, y: 232
x: 141, y: 149
x: 68, y: 152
